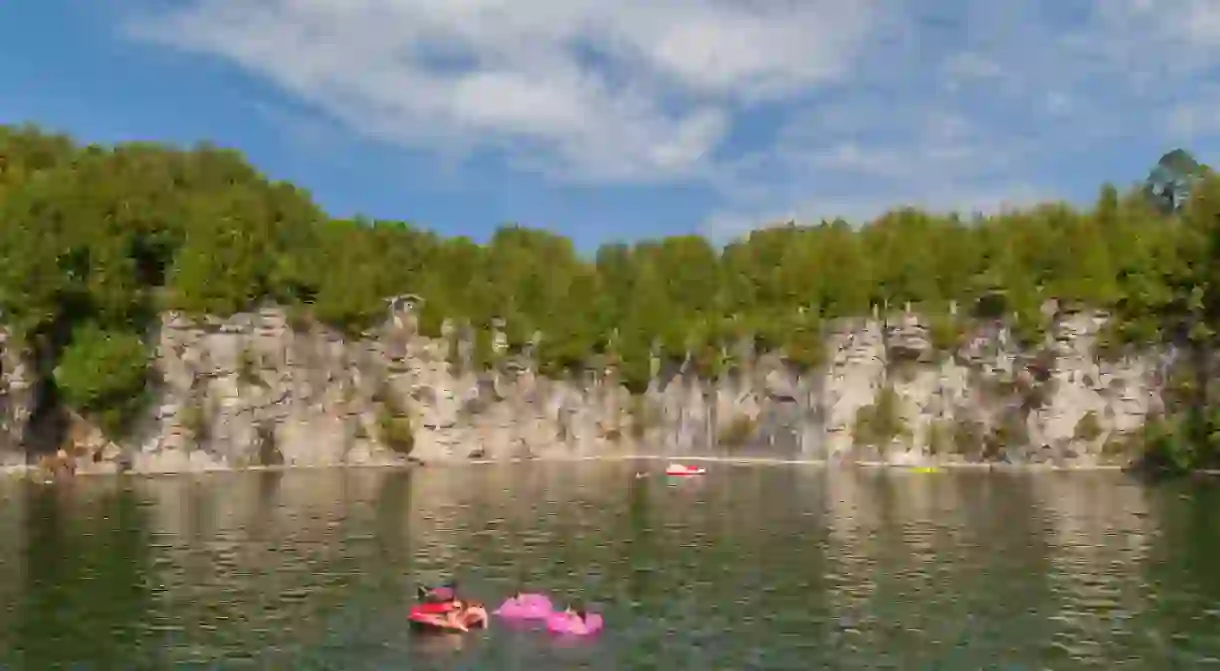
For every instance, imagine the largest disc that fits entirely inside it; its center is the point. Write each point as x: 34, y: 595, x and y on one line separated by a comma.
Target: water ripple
x: 748, y: 568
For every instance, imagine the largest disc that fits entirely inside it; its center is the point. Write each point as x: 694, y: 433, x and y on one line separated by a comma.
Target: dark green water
x: 748, y: 568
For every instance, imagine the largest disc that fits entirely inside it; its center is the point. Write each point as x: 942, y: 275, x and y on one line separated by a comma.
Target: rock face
x: 16, y: 399
x: 254, y: 390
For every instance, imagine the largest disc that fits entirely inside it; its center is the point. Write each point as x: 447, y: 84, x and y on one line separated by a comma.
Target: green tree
x: 1171, y: 180
x: 94, y: 240
x: 104, y: 374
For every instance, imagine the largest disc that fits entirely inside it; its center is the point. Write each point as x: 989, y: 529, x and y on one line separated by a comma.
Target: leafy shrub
x: 104, y: 374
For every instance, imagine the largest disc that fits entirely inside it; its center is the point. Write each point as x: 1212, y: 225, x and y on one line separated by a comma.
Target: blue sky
x: 618, y: 120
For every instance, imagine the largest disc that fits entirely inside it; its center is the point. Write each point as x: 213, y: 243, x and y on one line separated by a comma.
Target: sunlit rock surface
x: 255, y: 389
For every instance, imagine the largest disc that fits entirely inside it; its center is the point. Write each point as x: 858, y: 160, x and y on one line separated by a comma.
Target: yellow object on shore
x: 926, y: 469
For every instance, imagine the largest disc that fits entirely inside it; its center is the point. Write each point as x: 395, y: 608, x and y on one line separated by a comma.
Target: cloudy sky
x: 633, y: 118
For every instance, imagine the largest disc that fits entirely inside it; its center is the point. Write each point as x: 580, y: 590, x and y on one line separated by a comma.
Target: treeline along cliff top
x: 97, y: 240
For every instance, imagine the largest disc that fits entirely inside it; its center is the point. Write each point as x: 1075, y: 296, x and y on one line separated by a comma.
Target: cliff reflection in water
x: 749, y: 567
x: 77, y: 569
x: 966, y: 560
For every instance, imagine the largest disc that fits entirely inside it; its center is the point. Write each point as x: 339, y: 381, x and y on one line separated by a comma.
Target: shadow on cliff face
x: 49, y: 420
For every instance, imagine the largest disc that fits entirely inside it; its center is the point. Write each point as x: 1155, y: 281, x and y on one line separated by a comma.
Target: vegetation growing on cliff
x: 394, y: 426
x: 194, y: 419
x: 957, y: 436
x: 96, y: 240
x: 881, y: 423
x: 737, y: 432
x: 104, y: 374
x: 248, y: 365
x: 1088, y: 429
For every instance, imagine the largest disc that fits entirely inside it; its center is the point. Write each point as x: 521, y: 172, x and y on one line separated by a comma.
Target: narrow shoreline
x: 30, y: 470
x: 778, y: 461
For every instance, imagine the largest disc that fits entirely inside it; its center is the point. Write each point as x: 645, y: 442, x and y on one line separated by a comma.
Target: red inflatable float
x: 437, y: 617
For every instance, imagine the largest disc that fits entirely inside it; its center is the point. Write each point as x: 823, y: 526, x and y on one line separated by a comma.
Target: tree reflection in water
x: 86, y: 594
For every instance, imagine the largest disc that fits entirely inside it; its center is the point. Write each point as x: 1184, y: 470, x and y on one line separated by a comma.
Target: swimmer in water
x: 456, y: 615
x: 445, y: 592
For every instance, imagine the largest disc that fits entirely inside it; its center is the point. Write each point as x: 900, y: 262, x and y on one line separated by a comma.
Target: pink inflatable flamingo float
x: 573, y: 624
x: 526, y: 607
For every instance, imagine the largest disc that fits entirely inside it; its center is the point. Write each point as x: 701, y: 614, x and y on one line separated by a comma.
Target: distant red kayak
x: 683, y: 469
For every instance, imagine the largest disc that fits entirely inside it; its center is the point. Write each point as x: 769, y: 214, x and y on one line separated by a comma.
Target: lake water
x: 758, y: 567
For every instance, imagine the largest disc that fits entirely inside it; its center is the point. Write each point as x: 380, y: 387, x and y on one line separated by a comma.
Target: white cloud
x: 968, y: 66
x: 811, y: 108
x: 585, y: 89
x: 932, y: 158
x: 1014, y: 93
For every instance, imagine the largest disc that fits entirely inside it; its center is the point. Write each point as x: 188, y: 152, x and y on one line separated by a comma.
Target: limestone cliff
x: 16, y: 401
x: 253, y: 389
